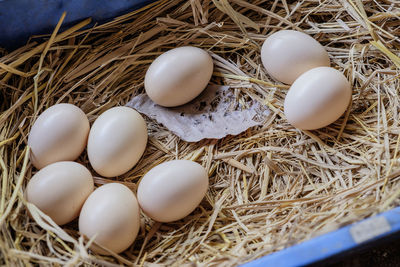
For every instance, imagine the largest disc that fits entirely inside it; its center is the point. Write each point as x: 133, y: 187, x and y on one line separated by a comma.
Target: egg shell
x: 317, y: 98
x: 111, y: 212
x: 172, y: 190
x: 178, y: 76
x: 59, y: 134
x: 287, y: 54
x: 60, y: 189
x: 116, y: 141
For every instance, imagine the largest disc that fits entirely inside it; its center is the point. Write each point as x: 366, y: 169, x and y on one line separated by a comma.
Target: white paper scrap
x: 214, y: 114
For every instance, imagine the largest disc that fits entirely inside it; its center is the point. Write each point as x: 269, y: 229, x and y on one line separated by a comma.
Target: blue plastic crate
x: 343, y: 240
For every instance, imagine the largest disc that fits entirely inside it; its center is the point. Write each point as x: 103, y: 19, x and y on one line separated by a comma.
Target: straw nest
x: 270, y: 187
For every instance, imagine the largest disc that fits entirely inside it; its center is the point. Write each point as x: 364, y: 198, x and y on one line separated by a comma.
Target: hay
x: 270, y: 187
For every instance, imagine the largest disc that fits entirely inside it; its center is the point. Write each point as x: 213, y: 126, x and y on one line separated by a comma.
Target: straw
x: 271, y: 186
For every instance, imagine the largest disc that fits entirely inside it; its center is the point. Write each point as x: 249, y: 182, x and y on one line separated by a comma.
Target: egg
x: 287, y: 54
x: 317, y: 98
x: 59, y: 134
x: 172, y: 190
x: 116, y: 141
x: 60, y: 189
x: 178, y: 76
x: 111, y: 213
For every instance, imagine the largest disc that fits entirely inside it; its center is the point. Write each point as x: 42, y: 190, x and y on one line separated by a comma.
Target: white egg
x: 178, y: 76
x: 317, y: 98
x: 172, y: 190
x: 111, y: 215
x: 60, y: 189
x: 116, y: 141
x: 60, y: 133
x: 287, y: 54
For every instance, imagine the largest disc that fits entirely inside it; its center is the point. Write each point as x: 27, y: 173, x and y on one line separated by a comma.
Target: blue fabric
x: 19, y: 19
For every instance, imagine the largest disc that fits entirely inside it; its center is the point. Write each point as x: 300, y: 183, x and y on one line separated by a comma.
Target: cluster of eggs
x: 319, y: 94
x: 63, y: 189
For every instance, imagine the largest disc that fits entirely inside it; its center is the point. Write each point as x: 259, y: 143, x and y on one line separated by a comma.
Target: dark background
x: 384, y: 252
